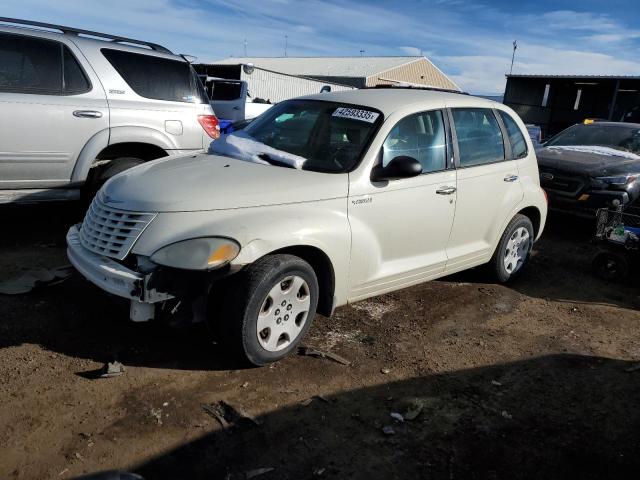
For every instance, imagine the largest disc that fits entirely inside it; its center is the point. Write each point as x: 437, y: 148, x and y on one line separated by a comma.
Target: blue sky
x: 471, y: 41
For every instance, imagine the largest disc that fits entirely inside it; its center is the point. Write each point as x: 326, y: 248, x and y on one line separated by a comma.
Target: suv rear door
x: 228, y: 99
x: 51, y: 105
x: 488, y: 185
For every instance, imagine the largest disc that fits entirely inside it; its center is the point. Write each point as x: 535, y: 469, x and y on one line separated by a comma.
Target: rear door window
x: 479, y: 136
x: 516, y: 138
x: 39, y: 66
x: 156, y: 77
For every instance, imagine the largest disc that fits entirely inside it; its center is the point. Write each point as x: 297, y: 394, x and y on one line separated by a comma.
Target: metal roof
x: 595, y: 77
x: 325, y: 66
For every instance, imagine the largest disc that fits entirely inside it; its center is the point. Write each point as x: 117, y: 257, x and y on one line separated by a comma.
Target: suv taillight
x: 210, y: 124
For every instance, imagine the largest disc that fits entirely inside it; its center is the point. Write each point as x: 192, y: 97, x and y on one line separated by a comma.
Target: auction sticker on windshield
x: 364, y: 115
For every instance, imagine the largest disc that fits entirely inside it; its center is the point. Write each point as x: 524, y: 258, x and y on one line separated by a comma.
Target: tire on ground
x: 496, y: 265
x: 234, y: 308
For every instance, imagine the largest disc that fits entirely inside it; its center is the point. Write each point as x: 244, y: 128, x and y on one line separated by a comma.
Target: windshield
x: 620, y: 137
x: 307, y: 134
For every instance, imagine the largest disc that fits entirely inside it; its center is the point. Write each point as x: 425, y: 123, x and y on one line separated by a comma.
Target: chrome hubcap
x: 518, y: 248
x: 283, y: 313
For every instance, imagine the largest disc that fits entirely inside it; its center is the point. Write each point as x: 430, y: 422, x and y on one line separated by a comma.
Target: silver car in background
x: 77, y: 107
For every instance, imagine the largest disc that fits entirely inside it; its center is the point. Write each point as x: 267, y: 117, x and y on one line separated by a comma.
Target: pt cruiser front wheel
x: 267, y: 308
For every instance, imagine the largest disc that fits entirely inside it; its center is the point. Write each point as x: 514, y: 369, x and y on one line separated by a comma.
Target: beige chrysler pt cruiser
x: 322, y: 201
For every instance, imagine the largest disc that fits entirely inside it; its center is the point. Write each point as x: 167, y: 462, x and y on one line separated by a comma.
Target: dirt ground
x: 524, y: 381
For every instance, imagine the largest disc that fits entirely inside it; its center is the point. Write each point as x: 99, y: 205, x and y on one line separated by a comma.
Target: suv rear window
x: 156, y: 77
x: 39, y: 66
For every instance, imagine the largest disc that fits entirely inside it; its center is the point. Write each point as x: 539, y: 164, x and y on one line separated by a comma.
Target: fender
x: 125, y: 134
x: 88, y: 154
x: 262, y: 230
x: 134, y: 134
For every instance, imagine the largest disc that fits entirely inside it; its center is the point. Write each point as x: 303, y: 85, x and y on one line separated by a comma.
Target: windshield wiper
x: 278, y: 163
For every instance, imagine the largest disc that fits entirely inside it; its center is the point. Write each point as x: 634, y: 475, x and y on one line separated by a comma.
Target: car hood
x: 210, y: 182
x: 588, y: 160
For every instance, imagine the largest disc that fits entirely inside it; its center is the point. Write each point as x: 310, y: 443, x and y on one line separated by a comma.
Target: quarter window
x: 156, y: 77
x: 479, y: 136
x: 518, y: 143
x: 420, y: 136
x: 39, y: 66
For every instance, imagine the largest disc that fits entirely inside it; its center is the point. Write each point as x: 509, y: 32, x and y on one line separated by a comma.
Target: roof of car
x: 388, y: 100
x: 87, y: 41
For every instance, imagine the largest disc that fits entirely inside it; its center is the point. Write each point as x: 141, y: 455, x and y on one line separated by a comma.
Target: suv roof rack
x: 415, y: 86
x: 78, y: 31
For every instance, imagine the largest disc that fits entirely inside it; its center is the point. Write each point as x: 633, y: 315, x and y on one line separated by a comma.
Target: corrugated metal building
x: 269, y: 85
x: 356, y: 71
x: 555, y: 102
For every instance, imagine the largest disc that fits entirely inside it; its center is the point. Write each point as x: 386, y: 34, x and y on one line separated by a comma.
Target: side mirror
x: 399, y: 167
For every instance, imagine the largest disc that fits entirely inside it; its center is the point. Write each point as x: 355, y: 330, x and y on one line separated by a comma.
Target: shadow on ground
x: 561, y: 416
x: 560, y: 268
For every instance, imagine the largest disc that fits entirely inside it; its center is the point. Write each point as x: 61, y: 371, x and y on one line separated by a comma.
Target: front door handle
x: 510, y: 178
x: 87, y: 114
x: 446, y: 190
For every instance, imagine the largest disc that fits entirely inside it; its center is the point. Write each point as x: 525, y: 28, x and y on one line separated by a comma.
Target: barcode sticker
x: 364, y: 115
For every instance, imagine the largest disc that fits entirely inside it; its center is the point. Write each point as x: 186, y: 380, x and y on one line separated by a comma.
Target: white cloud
x: 413, y: 51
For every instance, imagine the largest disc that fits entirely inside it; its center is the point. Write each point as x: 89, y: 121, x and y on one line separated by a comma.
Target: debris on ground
x: 496, y: 383
x: 33, y: 278
x: 633, y: 368
x: 258, y: 471
x: 506, y: 415
x: 307, y: 402
x: 228, y: 415
x: 312, y: 352
x: 385, y: 371
x: 318, y: 471
x: 397, y: 416
x: 112, y: 369
x: 413, y: 411
x: 388, y: 430
x: 157, y: 414
x: 245, y: 385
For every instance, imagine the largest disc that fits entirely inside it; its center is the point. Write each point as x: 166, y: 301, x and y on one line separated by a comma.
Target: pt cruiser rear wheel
x: 513, y: 249
x: 267, y: 308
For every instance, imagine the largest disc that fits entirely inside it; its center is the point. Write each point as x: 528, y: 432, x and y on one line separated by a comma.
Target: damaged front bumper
x: 115, y: 278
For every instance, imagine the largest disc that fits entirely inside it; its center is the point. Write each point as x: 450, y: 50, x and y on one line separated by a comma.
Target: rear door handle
x: 446, y: 190
x: 87, y: 114
x: 510, y: 178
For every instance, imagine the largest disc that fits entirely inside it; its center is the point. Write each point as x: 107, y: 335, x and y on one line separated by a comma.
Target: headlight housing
x: 620, y: 179
x: 205, y: 253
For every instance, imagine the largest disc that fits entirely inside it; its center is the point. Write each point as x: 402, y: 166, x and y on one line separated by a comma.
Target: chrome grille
x: 111, y: 232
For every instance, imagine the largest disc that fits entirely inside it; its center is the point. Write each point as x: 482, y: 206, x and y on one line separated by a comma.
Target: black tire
x: 101, y: 174
x: 234, y: 309
x: 496, y: 265
x: 610, y: 266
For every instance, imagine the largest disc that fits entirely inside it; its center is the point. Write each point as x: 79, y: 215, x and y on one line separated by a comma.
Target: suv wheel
x: 266, y: 309
x: 102, y: 174
x: 513, y: 249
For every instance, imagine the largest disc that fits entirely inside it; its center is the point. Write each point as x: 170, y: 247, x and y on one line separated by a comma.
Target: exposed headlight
x: 198, y: 253
x: 620, y: 179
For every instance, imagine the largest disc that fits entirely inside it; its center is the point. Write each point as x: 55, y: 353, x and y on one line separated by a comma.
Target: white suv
x: 322, y: 201
x: 79, y: 106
